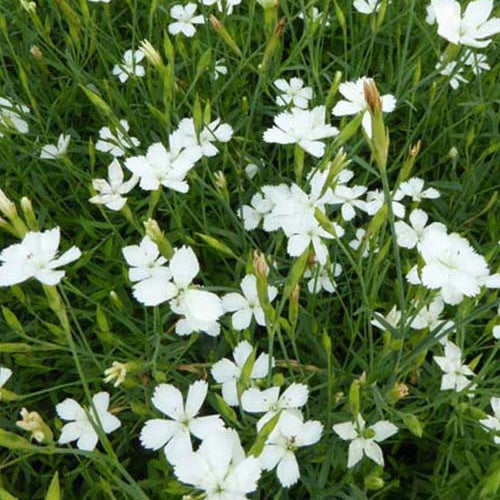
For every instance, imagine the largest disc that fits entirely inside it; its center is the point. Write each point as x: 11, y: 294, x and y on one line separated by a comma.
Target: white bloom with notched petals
x: 149, y: 273
x: 253, y: 214
x: 11, y: 116
x: 35, y: 257
x: 411, y: 236
x: 220, y: 468
x: 477, y: 62
x: 130, y: 65
x: 200, y: 309
x: 323, y: 278
x: 223, y: 5
x: 185, y: 20
x: 5, y: 374
x: 313, y: 15
x: 375, y: 200
x: 473, y: 28
x: 348, y: 198
x: 367, y: 6
x: 185, y: 137
x: 81, y: 423
x: 289, y: 434
x: 220, y: 69
x: 160, y: 167
x: 247, y: 305
x: 355, y: 102
x: 270, y: 402
x: 307, y: 128
x: 116, y: 142
x: 55, y: 151
x: 360, y: 240
x: 293, y: 92
x: 111, y: 191
x: 414, y: 188
x: 454, y: 70
x: 364, y: 441
x: 174, y: 434
x: 455, y: 373
x: 453, y: 267
x: 492, y: 422
x: 227, y: 372
x: 392, y: 319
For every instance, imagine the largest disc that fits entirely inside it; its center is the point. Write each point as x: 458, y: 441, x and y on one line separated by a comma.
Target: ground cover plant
x: 249, y: 249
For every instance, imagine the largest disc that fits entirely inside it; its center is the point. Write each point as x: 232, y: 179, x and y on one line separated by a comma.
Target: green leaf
x: 54, y: 491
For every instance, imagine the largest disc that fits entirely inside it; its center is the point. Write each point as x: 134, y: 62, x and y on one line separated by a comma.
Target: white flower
x: 253, y: 214
x: 220, y: 69
x: 428, y: 316
x: 10, y: 116
x: 289, y: 434
x: 219, y: 468
x: 81, y: 423
x: 201, y: 309
x: 367, y: 6
x: 185, y: 137
x: 492, y: 422
x: 174, y: 435
x: 470, y: 29
x: 411, y: 236
x: 359, y: 240
x: 314, y: 15
x: 227, y: 372
x: 478, y: 62
x: 247, y: 305
x: 414, y: 188
x: 185, y: 20
x: 375, y: 200
x: 364, y: 440
x: 293, y: 92
x: 356, y: 102
x: 163, y: 168
x: 35, y: 257
x: 117, y: 142
x: 270, y: 402
x: 130, y: 65
x: 393, y: 318
x: 310, y: 232
x: 323, y: 278
x: 223, y: 5
x: 453, y: 267
x: 303, y: 127
x: 111, y: 191
x: 54, y: 151
x: 453, y: 70
x: 455, y: 372
x: 148, y: 272
x: 5, y: 374
x: 348, y: 198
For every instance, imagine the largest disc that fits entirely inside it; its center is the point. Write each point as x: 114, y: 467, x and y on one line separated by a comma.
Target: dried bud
x: 372, y: 95
x: 399, y: 391
x: 260, y: 265
x: 117, y: 372
x: 220, y: 180
x: 32, y: 422
x: 415, y: 149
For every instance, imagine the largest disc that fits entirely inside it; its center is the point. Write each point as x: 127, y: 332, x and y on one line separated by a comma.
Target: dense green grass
x: 80, y: 43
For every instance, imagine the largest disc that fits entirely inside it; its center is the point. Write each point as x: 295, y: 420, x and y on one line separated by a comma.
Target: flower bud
x: 224, y: 34
x: 398, y: 391
x: 29, y: 213
x: 374, y: 482
x: 36, y: 52
x: 7, y: 207
x: 152, y: 55
x: 157, y: 236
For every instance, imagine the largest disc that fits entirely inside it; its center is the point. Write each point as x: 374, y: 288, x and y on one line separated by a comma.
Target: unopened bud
x: 260, y: 266
x: 29, y: 213
x: 224, y: 34
x: 374, y: 482
x: 453, y: 153
x: 157, y: 236
x: 36, y: 52
x: 152, y: 55
x: 7, y: 207
x: 116, y: 300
